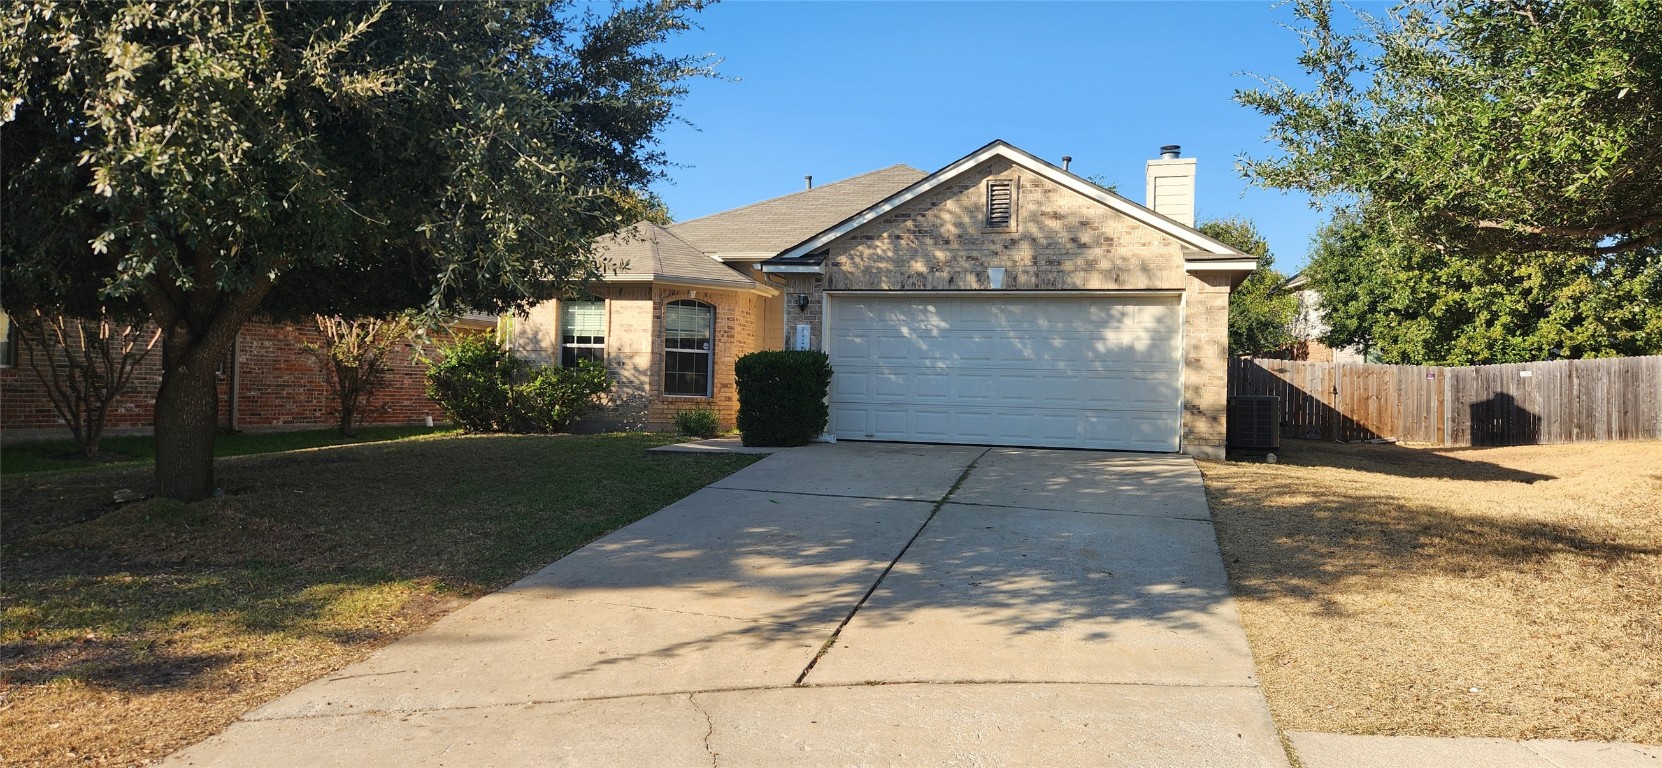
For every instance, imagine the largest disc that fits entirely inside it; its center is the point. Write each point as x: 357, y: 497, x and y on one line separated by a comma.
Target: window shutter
x: 1001, y: 202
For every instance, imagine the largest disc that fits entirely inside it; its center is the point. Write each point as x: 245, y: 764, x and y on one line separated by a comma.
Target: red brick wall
x: 279, y: 385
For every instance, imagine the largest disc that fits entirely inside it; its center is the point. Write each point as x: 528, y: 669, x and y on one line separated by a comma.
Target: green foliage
x: 1260, y: 317
x: 782, y: 396
x: 472, y: 381
x: 1408, y: 303
x: 698, y: 422
x: 1519, y: 127
x: 484, y: 387
x: 1495, y: 165
x: 464, y: 155
x: 210, y: 161
x: 554, y: 397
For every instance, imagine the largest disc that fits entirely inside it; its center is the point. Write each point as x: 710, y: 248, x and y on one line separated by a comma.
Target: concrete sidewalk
x: 849, y: 604
x: 1329, y: 750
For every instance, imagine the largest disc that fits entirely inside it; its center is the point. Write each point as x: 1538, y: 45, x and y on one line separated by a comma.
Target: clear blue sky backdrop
x: 835, y: 89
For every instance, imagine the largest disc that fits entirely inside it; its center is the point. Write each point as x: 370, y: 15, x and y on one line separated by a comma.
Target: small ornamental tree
x: 356, y: 355
x: 84, y: 364
x: 210, y: 161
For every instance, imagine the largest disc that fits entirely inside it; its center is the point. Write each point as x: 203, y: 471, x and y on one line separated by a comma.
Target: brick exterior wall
x: 279, y: 386
x: 635, y: 351
x: 1059, y: 240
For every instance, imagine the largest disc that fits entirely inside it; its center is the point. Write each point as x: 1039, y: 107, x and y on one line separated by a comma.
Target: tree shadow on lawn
x: 344, y: 547
x: 1401, y: 461
x: 1284, y: 538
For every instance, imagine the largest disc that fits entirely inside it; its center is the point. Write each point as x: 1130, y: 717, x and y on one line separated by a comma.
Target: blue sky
x: 835, y: 89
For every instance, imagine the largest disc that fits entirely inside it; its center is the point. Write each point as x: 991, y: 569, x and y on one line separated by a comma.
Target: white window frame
x: 605, y: 316
x: 710, y: 352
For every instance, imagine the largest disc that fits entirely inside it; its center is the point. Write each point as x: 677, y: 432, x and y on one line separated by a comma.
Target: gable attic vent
x: 1001, y: 203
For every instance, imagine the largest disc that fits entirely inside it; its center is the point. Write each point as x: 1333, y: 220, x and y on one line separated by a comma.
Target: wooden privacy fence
x: 1563, y: 401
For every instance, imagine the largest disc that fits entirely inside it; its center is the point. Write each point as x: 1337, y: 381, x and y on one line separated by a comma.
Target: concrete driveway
x: 835, y: 605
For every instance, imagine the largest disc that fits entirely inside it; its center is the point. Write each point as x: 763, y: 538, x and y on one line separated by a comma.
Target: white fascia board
x: 1221, y: 265
x: 1000, y: 149
x: 693, y: 282
x: 794, y: 269
x: 743, y: 255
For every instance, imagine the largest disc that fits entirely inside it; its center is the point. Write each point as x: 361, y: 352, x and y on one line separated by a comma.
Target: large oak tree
x: 210, y: 161
x: 1498, y: 167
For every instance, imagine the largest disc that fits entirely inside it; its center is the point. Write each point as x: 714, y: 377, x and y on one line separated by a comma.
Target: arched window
x: 689, y: 348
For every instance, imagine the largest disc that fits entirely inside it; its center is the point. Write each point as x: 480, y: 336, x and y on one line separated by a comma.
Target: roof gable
x: 1205, y: 248
x: 770, y: 226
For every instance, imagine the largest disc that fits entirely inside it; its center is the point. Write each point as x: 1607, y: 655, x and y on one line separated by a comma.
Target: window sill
x: 688, y: 397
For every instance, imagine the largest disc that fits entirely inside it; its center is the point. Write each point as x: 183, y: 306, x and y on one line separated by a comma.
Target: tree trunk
x: 348, y: 416
x: 187, y: 418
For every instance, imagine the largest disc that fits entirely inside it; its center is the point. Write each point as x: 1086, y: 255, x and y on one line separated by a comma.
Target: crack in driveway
x: 710, y: 727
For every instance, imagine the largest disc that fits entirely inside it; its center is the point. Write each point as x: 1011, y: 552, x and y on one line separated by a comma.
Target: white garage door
x: 1063, y: 371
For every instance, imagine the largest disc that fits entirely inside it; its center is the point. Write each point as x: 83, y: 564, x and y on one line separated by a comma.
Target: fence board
x: 1560, y: 401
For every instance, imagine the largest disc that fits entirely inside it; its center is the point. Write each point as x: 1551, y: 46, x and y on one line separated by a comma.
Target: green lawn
x: 23, y: 458
x: 130, y: 631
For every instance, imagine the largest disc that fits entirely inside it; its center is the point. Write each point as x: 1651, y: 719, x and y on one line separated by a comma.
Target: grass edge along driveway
x: 131, y: 631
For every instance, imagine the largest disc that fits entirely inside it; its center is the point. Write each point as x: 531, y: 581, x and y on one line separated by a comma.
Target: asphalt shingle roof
x: 773, y: 225
x: 648, y: 249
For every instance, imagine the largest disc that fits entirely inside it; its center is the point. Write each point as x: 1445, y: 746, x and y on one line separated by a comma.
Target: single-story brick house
x: 1000, y: 300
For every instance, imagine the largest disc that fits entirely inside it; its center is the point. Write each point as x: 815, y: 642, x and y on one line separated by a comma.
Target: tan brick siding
x: 635, y: 351
x: 1061, y: 241
x: 1205, y: 364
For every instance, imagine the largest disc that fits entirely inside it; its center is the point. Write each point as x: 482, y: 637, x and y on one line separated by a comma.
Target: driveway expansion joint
x: 785, y: 624
x: 941, y: 502
x: 823, y: 495
x: 1206, y: 520
x: 750, y: 689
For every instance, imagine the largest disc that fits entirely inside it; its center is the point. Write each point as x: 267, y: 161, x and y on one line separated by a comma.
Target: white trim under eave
x: 1056, y: 175
x: 693, y: 282
x: 1102, y: 293
x: 1221, y: 265
x: 793, y: 269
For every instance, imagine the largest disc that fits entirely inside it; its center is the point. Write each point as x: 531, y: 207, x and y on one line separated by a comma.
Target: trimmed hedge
x: 782, y: 396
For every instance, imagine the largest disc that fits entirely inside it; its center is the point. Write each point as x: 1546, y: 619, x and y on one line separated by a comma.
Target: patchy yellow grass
x: 129, y: 632
x: 1507, y: 592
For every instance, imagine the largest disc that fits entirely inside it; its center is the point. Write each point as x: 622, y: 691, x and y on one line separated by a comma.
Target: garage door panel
x: 850, y: 386
x: 1040, y: 371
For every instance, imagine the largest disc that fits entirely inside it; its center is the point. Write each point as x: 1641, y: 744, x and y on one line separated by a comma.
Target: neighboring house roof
x: 648, y: 252
x: 1204, y: 253
x: 768, y: 227
x: 1294, y: 283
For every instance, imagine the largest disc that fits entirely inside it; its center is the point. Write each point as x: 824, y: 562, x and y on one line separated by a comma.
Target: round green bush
x: 782, y: 396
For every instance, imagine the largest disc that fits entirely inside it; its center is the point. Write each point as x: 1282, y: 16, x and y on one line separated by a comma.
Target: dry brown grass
x: 129, y: 632
x: 1505, y: 592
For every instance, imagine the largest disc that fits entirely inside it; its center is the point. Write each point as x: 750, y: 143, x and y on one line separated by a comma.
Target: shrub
x: 472, y: 382
x: 555, y: 397
x: 698, y: 422
x: 782, y: 396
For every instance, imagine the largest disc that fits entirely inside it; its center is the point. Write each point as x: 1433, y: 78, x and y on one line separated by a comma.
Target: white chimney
x: 1171, y: 185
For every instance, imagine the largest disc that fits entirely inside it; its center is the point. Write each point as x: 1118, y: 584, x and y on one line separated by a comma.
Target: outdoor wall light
x: 801, y: 300
x: 995, y: 277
